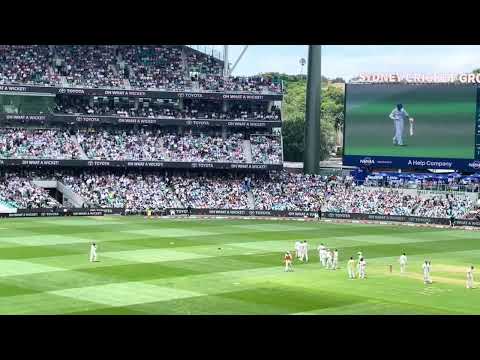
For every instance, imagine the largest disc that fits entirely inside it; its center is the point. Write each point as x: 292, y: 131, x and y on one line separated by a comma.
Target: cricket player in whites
x: 305, y: 251
x: 335, y: 260
x: 426, y: 272
x: 363, y: 267
x: 297, y: 249
x: 321, y: 249
x: 329, y: 256
x: 403, y: 262
x: 93, y: 252
x: 470, y: 277
x: 358, y: 263
x: 351, y: 268
x: 398, y: 115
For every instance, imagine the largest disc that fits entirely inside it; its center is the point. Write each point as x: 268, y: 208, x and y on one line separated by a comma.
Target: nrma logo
x: 475, y: 165
x: 367, y: 161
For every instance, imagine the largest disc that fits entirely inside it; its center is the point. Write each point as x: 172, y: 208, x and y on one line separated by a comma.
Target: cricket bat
x: 412, y: 120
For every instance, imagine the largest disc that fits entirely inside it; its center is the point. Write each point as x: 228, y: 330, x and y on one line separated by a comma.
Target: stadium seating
x: 274, y: 191
x: 158, y: 67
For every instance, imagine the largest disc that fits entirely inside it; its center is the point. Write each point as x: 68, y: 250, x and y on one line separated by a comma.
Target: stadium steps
x: 64, y: 81
x: 70, y: 195
x: 83, y: 156
x: 185, y: 65
x: 251, y: 200
x: 247, y: 150
x: 6, y: 208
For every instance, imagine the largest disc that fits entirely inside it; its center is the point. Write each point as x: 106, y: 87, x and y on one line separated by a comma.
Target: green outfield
x: 227, y: 267
x: 444, y: 121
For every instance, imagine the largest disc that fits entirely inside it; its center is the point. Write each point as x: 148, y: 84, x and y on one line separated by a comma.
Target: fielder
x: 320, y: 249
x: 470, y: 278
x: 426, y: 272
x: 93, y: 252
x: 323, y: 256
x: 363, y: 266
x: 351, y: 268
x: 288, y: 261
x: 305, y: 251
x: 335, y: 260
x: 297, y: 249
x: 398, y: 115
x: 403, y: 262
x: 329, y: 259
x: 360, y: 257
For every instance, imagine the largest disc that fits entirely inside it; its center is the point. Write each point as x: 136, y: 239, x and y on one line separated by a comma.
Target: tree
x: 294, y: 108
x: 293, y: 139
x: 476, y: 71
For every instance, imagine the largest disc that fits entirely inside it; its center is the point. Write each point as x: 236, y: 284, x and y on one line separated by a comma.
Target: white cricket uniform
x: 297, y: 249
x: 398, y: 117
x: 363, y: 266
x: 305, y: 252
x: 351, y: 268
x: 358, y: 263
x: 93, y: 253
x: 320, y: 253
x: 469, y: 279
x: 329, y: 259
x: 323, y: 257
x: 403, y: 263
x: 335, y: 260
x: 426, y: 273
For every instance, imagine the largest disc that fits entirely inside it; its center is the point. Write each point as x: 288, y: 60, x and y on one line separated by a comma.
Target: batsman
x: 398, y: 115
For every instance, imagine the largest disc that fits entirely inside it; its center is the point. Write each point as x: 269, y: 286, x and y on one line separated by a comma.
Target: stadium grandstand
x: 127, y: 129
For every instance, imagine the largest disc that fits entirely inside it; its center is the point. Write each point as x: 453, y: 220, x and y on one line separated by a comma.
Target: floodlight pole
x: 311, y: 156
x: 225, y: 61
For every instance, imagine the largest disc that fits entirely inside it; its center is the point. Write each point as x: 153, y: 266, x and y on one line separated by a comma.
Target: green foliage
x: 476, y: 71
x: 293, y: 144
x: 294, y: 107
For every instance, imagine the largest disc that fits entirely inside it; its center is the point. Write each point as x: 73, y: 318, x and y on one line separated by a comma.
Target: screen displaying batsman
x: 398, y: 115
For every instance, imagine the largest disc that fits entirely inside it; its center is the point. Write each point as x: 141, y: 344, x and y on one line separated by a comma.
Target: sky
x: 348, y: 61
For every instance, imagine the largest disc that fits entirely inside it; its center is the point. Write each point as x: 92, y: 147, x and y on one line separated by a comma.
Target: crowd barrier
x: 63, y: 212
x: 241, y: 212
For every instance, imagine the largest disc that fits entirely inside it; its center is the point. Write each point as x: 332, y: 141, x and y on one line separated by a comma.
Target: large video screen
x: 411, y: 126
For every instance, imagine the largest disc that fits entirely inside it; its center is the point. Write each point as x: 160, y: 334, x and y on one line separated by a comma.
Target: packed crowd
x: 134, y: 66
x: 394, y: 202
x: 212, y: 192
x: 158, y: 67
x: 158, y: 109
x: 132, y: 191
x: 266, y: 149
x: 286, y: 191
x: 26, y: 65
x: 26, y: 143
x: 198, y: 63
x: 137, y: 193
x: 158, y: 145
x: 19, y: 192
x: 454, y: 182
x: 241, y: 84
x: 274, y: 191
x: 143, y: 145
x: 88, y: 66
